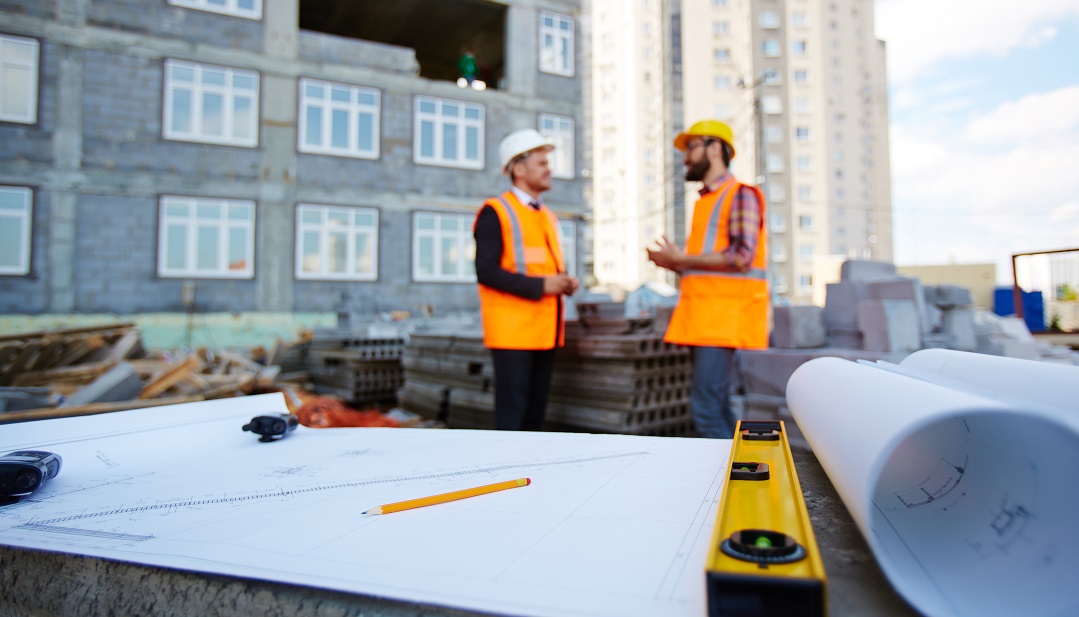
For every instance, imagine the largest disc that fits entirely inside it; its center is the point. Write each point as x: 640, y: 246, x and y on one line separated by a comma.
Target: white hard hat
x: 520, y: 142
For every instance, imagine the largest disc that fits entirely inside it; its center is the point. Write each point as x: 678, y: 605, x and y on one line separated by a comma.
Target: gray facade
x: 99, y: 161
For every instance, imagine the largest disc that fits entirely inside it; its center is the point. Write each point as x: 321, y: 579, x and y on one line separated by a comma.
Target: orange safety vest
x: 530, y: 246
x: 722, y: 308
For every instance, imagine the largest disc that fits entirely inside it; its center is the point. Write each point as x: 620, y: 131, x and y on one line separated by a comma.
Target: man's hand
x: 667, y: 255
x: 560, y: 284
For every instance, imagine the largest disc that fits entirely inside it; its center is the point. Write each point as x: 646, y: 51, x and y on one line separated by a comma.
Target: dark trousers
x: 522, y: 382
x: 709, y: 394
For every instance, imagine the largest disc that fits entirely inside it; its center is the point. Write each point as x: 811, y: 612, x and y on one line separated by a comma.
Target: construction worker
x: 723, y: 301
x: 522, y: 278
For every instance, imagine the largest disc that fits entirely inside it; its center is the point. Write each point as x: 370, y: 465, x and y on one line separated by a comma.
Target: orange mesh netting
x: 328, y: 412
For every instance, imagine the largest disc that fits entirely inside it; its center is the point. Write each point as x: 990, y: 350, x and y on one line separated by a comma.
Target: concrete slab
x: 857, y: 270
x: 798, y: 327
x: 841, y: 305
x: 121, y: 383
x: 958, y: 324
x: 889, y: 325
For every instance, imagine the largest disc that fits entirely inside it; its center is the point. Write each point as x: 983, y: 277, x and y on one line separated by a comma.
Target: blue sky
x: 984, y: 100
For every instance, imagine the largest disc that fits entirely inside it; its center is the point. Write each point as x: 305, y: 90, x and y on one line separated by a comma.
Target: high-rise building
x: 803, y: 85
x: 279, y: 155
x: 636, y: 185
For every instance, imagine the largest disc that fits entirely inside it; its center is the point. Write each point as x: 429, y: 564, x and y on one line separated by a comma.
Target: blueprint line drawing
x: 959, y: 470
x: 611, y: 524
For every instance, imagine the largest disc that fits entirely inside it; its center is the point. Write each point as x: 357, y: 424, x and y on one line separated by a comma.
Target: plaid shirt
x: 743, y: 227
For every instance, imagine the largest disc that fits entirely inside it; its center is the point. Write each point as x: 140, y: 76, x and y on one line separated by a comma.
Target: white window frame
x: 721, y: 55
x: 349, y: 228
x: 771, y: 104
x: 466, y: 265
x: 198, y: 90
x: 24, y: 216
x: 805, y: 192
x: 567, y: 236
x: 802, y: 105
x: 771, y: 77
x: 560, y: 130
x: 553, y: 38
x: 799, y: 48
x: 773, y: 134
x: 779, y: 253
x: 805, y: 222
x: 805, y: 253
x: 440, y: 121
x: 722, y: 82
x: 804, y: 163
x: 802, y: 134
x: 776, y: 192
x: 777, y: 223
x: 329, y: 107
x: 721, y: 28
x: 804, y: 81
x: 230, y: 7
x: 779, y: 283
x: 799, y: 19
x: 771, y: 48
x: 191, y: 222
x: 10, y: 64
x: 773, y: 162
x: 769, y: 19
x: 805, y: 283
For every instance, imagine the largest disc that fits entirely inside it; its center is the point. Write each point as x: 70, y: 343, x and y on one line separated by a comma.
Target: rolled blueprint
x: 968, y: 497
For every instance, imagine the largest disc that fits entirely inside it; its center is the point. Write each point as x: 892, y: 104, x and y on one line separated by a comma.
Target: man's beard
x: 697, y: 171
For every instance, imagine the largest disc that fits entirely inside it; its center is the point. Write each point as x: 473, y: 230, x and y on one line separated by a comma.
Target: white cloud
x: 1068, y: 213
x: 1033, y: 119
x: 921, y: 33
x: 958, y: 200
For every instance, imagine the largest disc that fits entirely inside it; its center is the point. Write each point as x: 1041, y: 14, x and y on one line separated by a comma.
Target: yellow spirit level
x: 763, y: 558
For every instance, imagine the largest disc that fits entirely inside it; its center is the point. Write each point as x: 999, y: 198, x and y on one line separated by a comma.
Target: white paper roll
x: 970, y: 504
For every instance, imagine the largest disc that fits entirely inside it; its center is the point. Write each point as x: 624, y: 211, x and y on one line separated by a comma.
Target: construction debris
x: 615, y: 375
x: 360, y: 370
x: 84, y: 371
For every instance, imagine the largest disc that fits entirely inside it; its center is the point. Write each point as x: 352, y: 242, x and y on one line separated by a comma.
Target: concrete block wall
x: 99, y: 164
x: 116, y: 250
x: 45, y: 9
x: 319, y: 47
x: 124, y: 133
x: 32, y: 143
x: 158, y: 18
x: 28, y: 294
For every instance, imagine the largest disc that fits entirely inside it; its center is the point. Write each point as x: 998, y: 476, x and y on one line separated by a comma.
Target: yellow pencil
x: 444, y: 497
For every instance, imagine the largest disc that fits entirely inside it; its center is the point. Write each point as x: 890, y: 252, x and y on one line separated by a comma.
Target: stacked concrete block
x: 360, y: 370
x: 861, y: 271
x: 798, y: 327
x: 958, y: 327
x: 906, y: 290
x: 841, y: 314
x: 628, y: 383
x: 889, y: 325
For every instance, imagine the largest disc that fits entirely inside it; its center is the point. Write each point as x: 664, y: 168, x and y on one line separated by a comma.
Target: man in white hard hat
x: 723, y: 297
x: 522, y: 278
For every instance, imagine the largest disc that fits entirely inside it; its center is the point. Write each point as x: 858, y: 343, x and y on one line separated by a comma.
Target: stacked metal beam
x: 359, y: 370
x: 614, y: 376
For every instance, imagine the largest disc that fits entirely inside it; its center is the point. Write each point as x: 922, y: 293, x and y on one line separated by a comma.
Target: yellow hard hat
x: 707, y: 128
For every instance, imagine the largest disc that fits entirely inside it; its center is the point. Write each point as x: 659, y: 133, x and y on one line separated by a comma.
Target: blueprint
x: 611, y: 524
x: 961, y: 472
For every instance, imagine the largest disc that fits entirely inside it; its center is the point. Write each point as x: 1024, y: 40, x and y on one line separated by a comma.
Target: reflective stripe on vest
x: 713, y: 221
x: 754, y: 273
x: 518, y: 238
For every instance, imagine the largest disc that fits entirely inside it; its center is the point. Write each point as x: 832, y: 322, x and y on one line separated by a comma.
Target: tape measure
x: 763, y: 558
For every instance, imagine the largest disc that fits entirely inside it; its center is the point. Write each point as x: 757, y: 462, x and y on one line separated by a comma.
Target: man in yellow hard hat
x: 723, y: 301
x: 522, y: 278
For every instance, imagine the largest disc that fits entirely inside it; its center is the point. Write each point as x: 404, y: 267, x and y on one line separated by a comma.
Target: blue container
x: 1033, y: 307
